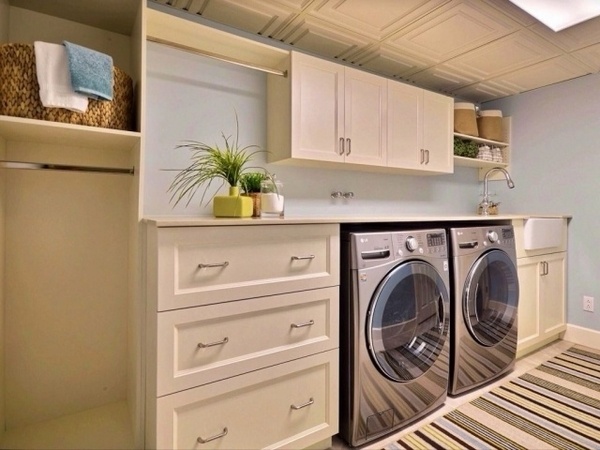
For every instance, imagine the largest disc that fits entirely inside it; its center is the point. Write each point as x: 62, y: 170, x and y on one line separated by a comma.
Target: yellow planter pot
x: 232, y: 205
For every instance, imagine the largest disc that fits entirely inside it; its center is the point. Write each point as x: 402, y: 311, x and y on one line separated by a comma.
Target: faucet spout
x: 486, y: 196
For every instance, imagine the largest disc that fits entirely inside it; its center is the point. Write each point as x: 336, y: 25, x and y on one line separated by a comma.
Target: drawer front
x: 207, y: 265
x: 291, y: 405
x: 209, y: 343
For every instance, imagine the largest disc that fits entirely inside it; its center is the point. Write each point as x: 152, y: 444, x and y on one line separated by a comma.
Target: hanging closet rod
x: 282, y: 73
x: 63, y: 167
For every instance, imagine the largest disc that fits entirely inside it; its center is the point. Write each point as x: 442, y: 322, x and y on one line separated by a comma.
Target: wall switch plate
x: 588, y: 303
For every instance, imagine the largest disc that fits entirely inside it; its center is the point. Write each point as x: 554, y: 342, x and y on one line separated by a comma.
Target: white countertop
x: 207, y: 221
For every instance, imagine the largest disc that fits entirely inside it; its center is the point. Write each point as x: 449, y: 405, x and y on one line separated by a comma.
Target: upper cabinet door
x: 420, y: 125
x: 365, y: 118
x: 404, y: 128
x: 438, y: 126
x: 317, y: 108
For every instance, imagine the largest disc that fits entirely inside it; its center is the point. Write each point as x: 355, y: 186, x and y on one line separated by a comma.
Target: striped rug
x: 555, y: 406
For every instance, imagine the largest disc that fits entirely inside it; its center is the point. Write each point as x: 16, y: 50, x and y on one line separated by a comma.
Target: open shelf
x: 42, y: 131
x: 477, y: 163
x: 479, y: 140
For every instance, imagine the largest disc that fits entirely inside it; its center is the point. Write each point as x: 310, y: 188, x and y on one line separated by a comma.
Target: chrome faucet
x: 485, y: 203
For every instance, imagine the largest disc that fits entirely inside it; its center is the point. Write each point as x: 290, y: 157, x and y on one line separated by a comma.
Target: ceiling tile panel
x: 323, y: 39
x: 590, y: 56
x: 454, y: 29
x: 507, y: 8
x: 256, y: 16
x: 505, y: 55
x: 546, y: 73
x: 390, y: 62
x: 375, y: 19
x: 484, y: 91
x: 443, y: 77
x: 573, y: 38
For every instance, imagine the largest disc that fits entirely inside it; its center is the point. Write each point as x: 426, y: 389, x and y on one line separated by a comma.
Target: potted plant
x: 227, y: 163
x: 250, y: 183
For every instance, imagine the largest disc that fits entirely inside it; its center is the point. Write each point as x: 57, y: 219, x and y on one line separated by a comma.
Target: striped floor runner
x: 555, y: 406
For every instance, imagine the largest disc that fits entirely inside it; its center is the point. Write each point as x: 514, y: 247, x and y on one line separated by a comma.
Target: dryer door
x: 491, y: 297
x: 407, y: 321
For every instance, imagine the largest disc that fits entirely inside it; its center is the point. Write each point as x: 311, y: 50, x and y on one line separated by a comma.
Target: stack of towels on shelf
x: 69, y: 75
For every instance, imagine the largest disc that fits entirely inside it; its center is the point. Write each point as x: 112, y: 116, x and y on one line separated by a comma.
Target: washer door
x: 406, y: 321
x: 491, y: 297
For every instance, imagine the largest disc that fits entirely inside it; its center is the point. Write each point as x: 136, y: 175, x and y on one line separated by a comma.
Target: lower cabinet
x: 542, y: 309
x: 240, y: 352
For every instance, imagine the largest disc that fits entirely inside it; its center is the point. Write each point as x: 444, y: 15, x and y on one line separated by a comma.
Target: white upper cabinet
x: 328, y: 113
x: 419, y: 129
x: 337, y: 114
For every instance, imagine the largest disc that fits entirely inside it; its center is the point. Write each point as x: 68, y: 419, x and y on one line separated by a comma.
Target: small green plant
x: 209, y: 163
x: 250, y: 181
x: 468, y: 149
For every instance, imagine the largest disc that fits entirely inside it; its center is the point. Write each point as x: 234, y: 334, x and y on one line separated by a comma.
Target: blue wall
x: 556, y: 160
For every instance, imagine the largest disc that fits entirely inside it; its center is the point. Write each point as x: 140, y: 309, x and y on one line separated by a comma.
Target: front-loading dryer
x: 395, y: 304
x: 485, y: 300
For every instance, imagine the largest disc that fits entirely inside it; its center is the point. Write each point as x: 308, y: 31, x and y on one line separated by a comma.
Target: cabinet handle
x: 427, y: 155
x: 212, y: 438
x: 349, y: 142
x: 223, y: 341
x: 206, y: 266
x: 341, y: 150
x: 303, y: 258
x: 303, y: 324
x: 303, y: 405
x: 544, y: 267
x: 422, y: 156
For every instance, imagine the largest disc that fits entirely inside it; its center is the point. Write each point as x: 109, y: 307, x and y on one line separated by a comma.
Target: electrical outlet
x: 588, y: 303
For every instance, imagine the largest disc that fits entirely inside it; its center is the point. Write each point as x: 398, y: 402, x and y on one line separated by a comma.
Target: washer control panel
x: 468, y: 240
x: 422, y: 242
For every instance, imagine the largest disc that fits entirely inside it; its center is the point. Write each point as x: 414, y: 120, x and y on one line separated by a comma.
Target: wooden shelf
x: 41, y: 131
x: 479, y: 140
x: 477, y: 163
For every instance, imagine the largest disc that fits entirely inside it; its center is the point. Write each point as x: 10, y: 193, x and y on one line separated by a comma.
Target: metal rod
x: 282, y: 73
x: 63, y: 167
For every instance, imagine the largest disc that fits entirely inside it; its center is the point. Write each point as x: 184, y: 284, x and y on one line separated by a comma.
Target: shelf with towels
x: 41, y: 131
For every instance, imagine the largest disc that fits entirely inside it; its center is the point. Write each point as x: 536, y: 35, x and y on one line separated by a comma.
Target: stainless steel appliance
x: 484, y: 305
x: 394, y: 324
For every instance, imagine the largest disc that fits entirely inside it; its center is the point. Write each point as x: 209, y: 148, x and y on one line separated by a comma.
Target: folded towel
x: 54, y: 79
x: 91, y: 71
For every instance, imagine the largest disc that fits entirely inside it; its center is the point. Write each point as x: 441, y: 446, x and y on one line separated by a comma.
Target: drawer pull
x: 212, y: 438
x: 303, y: 405
x: 206, y: 266
x: 225, y: 340
x: 303, y: 258
x: 302, y: 325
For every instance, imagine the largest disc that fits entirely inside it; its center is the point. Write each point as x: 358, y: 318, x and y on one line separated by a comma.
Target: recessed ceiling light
x: 560, y: 14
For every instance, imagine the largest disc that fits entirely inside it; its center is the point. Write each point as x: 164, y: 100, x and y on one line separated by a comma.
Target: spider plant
x: 226, y: 163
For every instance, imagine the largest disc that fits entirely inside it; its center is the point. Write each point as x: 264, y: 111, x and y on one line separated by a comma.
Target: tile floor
x: 522, y: 365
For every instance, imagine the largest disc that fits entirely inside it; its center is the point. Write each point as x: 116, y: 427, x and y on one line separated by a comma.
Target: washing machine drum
x: 407, y: 321
x: 490, y: 298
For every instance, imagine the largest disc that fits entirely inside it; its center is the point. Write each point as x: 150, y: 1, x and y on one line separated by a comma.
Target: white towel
x: 54, y: 79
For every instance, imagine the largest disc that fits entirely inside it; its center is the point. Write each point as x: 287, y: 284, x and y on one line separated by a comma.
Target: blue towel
x: 91, y: 72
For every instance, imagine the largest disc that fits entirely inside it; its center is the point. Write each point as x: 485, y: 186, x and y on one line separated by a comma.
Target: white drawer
x: 206, y: 265
x: 291, y: 405
x: 209, y: 343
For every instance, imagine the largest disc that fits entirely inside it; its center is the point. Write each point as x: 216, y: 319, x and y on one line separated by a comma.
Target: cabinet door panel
x: 317, y: 108
x: 552, y: 299
x: 528, y: 318
x: 404, y: 129
x: 438, y: 124
x: 365, y: 117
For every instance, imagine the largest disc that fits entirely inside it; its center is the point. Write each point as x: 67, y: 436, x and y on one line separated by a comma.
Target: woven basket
x: 19, y: 94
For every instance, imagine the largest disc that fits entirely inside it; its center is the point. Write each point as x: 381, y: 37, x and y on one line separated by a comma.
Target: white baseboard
x: 582, y: 336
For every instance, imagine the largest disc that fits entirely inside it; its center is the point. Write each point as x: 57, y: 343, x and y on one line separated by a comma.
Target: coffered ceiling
x: 475, y: 50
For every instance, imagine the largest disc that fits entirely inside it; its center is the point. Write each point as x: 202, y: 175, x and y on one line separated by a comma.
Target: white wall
x: 191, y: 97
x: 556, y: 162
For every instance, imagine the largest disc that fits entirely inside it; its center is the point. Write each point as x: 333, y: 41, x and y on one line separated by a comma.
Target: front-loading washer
x: 394, y: 324
x: 485, y: 300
